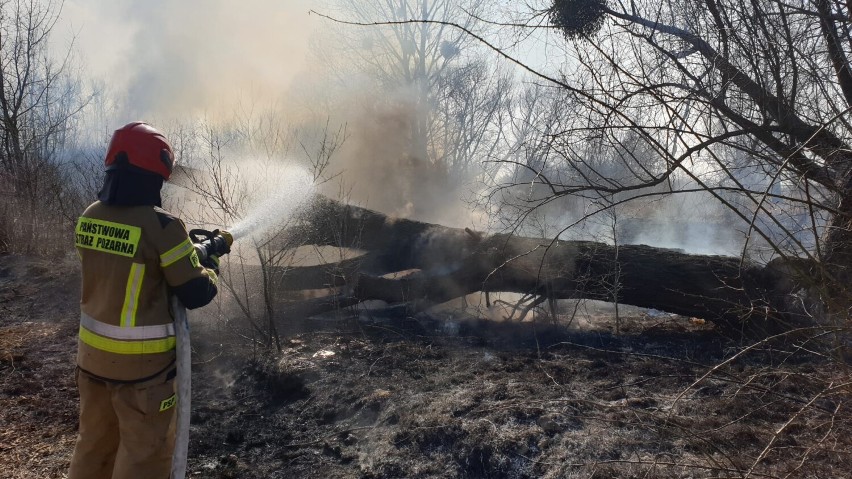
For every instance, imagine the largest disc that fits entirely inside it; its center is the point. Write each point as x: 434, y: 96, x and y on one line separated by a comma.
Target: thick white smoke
x: 234, y: 62
x: 170, y: 59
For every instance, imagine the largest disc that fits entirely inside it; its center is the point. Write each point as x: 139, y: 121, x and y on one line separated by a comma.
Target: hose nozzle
x: 211, y: 243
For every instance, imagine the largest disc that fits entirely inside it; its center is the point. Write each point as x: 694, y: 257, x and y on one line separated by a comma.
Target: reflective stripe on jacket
x: 130, y: 258
x: 126, y: 340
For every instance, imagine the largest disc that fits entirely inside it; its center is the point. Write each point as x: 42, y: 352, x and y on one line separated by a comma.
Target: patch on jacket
x: 168, y: 403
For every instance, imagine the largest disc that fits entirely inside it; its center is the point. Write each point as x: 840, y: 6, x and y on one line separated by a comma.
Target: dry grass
x: 37, y: 400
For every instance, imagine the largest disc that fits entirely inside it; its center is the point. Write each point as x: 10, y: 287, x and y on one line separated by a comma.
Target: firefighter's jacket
x: 133, y: 258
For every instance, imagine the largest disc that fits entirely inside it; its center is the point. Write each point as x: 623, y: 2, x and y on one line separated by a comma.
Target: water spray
x: 291, y: 188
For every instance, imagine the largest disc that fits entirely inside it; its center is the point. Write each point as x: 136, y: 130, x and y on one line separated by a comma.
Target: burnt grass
x: 404, y: 397
x: 508, y: 400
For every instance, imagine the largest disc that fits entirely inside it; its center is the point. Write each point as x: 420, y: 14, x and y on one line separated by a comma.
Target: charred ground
x: 416, y: 398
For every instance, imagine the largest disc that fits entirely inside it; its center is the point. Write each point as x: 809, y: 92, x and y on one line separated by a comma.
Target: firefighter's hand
x: 211, y: 262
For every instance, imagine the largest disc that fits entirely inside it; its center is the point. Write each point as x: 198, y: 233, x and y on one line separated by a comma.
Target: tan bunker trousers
x: 127, y: 431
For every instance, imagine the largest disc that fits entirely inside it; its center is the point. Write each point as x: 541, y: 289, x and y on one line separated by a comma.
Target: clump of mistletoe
x: 577, y: 18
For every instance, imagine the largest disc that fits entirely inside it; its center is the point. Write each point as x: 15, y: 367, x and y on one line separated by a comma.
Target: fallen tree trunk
x: 410, y: 261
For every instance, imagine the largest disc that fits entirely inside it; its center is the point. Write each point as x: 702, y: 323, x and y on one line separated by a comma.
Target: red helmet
x: 140, y: 145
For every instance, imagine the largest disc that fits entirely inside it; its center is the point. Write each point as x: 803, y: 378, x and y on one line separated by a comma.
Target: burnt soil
x: 423, y: 397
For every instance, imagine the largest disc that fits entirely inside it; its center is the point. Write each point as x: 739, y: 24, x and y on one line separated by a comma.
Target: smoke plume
x: 171, y: 59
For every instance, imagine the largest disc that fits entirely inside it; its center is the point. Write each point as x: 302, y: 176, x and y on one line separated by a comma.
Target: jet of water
x: 284, y: 196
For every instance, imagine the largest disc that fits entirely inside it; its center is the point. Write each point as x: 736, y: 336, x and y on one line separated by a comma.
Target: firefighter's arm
x: 193, y: 284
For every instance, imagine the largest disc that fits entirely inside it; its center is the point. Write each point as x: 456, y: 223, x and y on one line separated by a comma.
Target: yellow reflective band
x: 108, y: 237
x: 131, y: 295
x: 176, y: 253
x: 148, y: 346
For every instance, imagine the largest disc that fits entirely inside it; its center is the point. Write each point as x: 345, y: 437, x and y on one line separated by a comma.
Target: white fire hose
x: 184, y: 390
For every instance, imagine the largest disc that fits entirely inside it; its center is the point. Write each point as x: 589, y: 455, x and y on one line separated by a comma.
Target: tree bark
x: 413, y: 262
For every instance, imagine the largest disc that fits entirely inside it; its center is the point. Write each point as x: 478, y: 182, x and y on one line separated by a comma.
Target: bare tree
x: 746, y: 102
x: 39, y: 99
x: 413, y: 57
x: 449, y: 103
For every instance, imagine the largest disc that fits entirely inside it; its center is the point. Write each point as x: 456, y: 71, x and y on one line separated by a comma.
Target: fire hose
x: 209, y: 246
x: 184, y: 390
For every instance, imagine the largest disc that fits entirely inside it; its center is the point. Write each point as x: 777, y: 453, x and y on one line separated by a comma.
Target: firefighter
x: 133, y: 255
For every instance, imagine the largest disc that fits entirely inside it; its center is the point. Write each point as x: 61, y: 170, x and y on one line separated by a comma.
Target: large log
x: 441, y: 263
